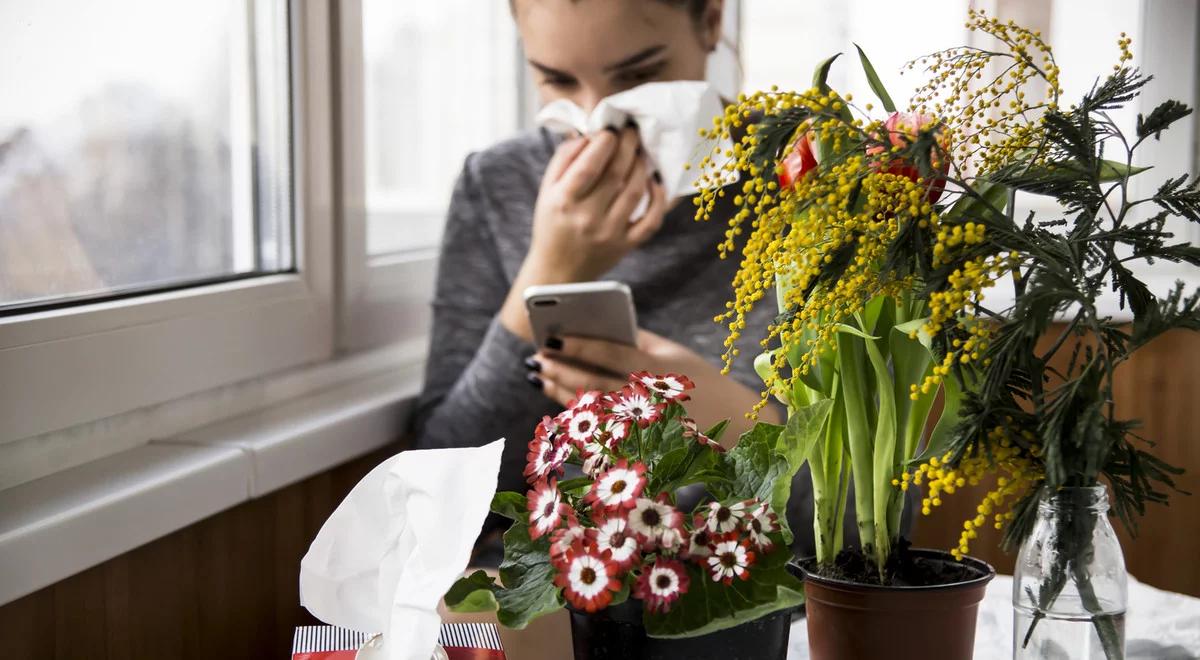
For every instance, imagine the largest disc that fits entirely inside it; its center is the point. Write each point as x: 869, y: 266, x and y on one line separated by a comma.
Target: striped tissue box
x: 462, y: 641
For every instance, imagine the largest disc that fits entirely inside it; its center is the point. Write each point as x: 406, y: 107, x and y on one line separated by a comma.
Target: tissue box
x: 462, y: 641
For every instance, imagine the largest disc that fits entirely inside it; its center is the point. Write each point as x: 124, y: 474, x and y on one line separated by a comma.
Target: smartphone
x: 599, y: 310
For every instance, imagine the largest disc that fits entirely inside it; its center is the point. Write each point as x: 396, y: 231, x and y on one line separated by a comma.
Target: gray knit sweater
x: 475, y: 387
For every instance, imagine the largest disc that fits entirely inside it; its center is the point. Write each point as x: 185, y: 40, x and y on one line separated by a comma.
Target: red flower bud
x: 902, y: 128
x: 799, y: 161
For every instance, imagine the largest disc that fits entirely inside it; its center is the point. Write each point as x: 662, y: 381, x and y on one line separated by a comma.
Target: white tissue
x: 669, y: 117
x: 388, y: 553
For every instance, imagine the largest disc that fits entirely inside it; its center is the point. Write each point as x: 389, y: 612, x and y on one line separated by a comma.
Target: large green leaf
x: 526, y: 574
x: 873, y: 80
x: 474, y: 593
x: 755, y: 464
x: 992, y: 199
x: 711, y: 606
x: 805, y: 426
x: 510, y: 505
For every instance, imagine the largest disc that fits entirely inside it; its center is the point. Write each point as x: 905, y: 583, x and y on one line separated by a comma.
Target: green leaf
x: 883, y: 463
x: 755, y: 464
x: 1111, y: 170
x: 717, y: 430
x: 1160, y: 118
x: 851, y: 330
x: 511, y: 505
x: 994, y: 196
x: 711, y: 606
x: 943, y: 432
x: 578, y: 483
x: 821, y: 73
x: 528, y: 577
x: 873, y: 80
x: 473, y: 593
x: 805, y: 426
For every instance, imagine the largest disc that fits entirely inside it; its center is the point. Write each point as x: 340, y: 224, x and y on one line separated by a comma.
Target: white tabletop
x: 1159, y: 625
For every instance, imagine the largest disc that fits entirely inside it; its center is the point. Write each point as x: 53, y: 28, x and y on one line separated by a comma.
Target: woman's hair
x: 694, y: 7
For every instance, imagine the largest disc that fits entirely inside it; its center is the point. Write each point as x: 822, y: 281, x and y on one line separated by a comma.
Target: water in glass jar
x: 1062, y: 637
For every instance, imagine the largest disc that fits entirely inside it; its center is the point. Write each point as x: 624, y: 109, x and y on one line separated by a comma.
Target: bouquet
x: 881, y: 236
x: 620, y: 529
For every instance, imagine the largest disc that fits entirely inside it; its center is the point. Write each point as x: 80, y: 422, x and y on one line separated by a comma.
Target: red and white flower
x: 730, y: 558
x: 615, y: 432
x: 652, y: 519
x: 724, y: 518
x: 672, y: 387
x: 565, y: 538
x: 584, y: 424
x: 588, y: 578
x: 619, y: 487
x: 701, y: 540
x: 661, y: 584
x: 542, y: 459
x: 584, y: 399
x: 614, y: 535
x: 760, y: 522
x: 595, y: 464
x: 633, y: 403
x: 546, y: 508
x: 692, y: 432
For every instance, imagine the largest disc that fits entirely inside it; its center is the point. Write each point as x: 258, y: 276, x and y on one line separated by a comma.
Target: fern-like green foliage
x: 1066, y: 263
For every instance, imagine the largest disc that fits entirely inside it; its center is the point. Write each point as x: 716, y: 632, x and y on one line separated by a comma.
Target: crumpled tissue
x: 669, y: 116
x: 388, y: 553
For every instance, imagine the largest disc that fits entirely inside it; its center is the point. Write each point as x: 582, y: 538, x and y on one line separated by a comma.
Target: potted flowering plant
x: 880, y: 236
x: 643, y: 574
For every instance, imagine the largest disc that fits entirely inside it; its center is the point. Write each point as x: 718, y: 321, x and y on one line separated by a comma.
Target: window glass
x: 130, y: 152
x: 441, y: 80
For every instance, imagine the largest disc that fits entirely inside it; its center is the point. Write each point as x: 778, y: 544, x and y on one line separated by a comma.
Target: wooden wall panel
x: 226, y: 587
x: 1161, y: 387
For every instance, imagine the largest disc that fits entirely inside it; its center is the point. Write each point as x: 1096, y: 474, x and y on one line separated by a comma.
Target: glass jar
x: 1069, y: 586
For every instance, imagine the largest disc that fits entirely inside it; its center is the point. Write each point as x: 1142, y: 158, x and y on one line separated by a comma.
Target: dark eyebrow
x: 636, y: 58
x: 548, y: 70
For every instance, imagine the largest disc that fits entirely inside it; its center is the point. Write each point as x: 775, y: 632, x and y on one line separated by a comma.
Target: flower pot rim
x: 987, y: 572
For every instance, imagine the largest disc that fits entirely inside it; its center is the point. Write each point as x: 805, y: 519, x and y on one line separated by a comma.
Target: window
x: 164, y: 232
x: 138, y: 163
x: 440, y: 83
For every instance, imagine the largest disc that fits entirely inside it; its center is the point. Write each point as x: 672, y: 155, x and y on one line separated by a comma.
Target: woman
x: 540, y: 210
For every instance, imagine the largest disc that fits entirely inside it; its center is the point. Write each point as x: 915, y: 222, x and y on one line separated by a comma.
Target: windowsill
x: 58, y: 525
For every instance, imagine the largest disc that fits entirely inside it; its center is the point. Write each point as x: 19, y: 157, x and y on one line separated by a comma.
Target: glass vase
x: 1069, y: 586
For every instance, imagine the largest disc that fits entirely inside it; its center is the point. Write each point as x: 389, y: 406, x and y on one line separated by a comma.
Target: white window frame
x: 64, y: 372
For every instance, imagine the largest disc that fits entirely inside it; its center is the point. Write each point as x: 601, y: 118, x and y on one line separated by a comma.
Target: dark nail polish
x: 657, y: 177
x: 613, y: 129
x: 532, y: 364
x: 554, y: 343
x: 630, y: 123
x: 534, y: 380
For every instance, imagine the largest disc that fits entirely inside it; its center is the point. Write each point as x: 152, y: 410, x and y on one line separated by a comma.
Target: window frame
x: 71, y: 366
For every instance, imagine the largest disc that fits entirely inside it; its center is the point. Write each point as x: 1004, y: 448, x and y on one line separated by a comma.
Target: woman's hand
x: 581, y: 224
x: 592, y: 364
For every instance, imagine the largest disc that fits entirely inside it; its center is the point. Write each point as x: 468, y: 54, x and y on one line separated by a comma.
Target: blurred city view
x: 117, y: 162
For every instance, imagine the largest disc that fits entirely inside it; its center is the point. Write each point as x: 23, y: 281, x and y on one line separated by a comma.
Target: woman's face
x: 585, y: 50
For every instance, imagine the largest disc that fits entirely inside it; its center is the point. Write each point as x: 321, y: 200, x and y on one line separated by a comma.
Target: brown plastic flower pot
x: 852, y: 621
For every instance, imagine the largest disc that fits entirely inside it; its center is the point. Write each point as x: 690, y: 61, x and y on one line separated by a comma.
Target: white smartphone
x: 599, y: 310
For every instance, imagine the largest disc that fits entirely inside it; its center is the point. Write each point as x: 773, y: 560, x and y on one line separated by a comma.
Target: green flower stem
x: 853, y: 393
x: 884, y: 454
x: 829, y: 488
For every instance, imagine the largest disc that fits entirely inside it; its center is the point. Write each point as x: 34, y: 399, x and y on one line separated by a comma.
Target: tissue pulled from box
x: 388, y: 553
